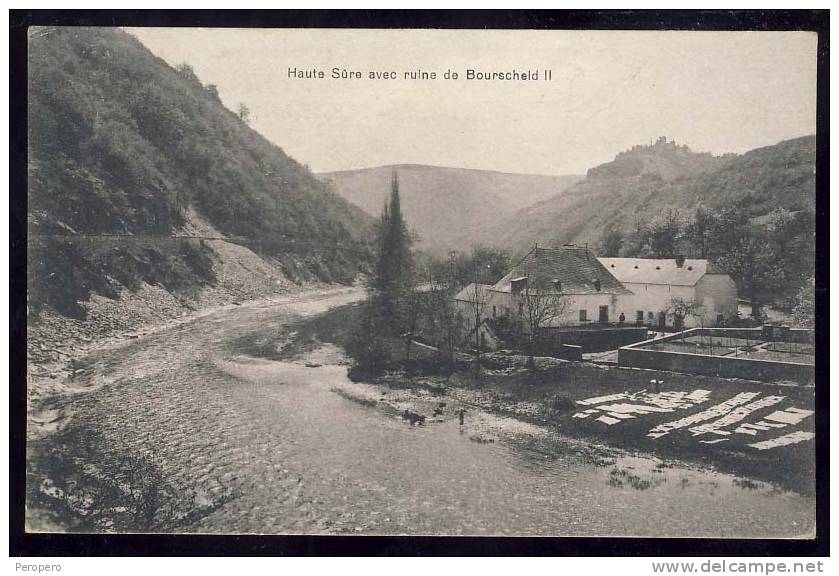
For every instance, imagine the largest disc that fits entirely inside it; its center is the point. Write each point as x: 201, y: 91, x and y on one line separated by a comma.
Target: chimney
x: 680, y: 260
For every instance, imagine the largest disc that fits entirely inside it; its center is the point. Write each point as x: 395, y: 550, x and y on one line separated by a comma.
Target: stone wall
x: 595, y: 339
x: 636, y: 356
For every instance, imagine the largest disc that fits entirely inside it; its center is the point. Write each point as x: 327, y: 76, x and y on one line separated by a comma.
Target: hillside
x: 447, y: 207
x: 126, y: 152
x: 645, y: 181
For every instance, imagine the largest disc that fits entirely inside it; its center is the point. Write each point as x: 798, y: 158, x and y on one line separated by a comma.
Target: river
x: 299, y: 458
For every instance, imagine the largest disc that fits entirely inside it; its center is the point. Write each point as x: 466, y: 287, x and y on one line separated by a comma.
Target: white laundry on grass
x: 751, y: 429
x: 789, y: 416
x: 608, y: 420
x: 785, y: 440
x: 673, y: 400
x: 620, y: 416
x: 698, y: 396
x: 778, y: 419
x: 601, y: 399
x: 712, y: 412
x: 642, y: 402
x: 770, y: 424
x: 736, y: 415
x: 624, y: 408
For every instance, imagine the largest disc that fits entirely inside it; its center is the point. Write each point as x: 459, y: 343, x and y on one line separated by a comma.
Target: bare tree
x: 681, y: 308
x: 539, y: 308
x: 478, y: 304
x: 444, y: 319
x: 411, y: 313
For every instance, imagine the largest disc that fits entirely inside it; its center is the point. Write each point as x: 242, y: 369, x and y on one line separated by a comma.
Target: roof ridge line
x: 523, y: 257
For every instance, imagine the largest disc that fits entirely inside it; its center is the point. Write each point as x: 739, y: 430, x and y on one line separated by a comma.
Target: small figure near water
x: 460, y: 414
x: 413, y: 417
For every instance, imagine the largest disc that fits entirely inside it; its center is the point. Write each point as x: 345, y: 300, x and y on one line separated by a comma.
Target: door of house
x: 662, y: 319
x: 604, y: 314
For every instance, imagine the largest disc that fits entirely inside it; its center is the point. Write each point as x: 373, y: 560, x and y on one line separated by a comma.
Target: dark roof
x: 575, y: 267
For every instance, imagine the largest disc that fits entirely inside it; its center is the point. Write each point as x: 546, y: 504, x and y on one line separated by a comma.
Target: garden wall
x: 595, y: 339
x: 636, y: 356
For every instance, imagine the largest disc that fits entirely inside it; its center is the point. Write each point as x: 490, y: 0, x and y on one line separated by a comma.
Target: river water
x: 373, y: 473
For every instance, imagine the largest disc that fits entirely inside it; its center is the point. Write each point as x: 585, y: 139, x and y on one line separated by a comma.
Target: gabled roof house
x: 592, y: 292
x: 655, y: 283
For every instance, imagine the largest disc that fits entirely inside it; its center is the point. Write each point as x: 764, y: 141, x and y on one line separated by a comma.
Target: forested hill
x: 122, y: 144
x: 447, y: 207
x: 643, y: 183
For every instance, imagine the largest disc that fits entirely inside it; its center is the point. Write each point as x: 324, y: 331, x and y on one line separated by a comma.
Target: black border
x: 23, y: 544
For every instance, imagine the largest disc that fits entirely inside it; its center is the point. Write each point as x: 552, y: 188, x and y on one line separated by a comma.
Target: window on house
x: 583, y: 316
x: 651, y: 316
x: 518, y: 285
x: 557, y: 285
x: 604, y: 314
x: 639, y: 317
x: 597, y: 285
x: 720, y: 319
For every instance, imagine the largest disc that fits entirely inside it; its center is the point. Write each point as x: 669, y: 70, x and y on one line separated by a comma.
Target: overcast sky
x: 714, y: 91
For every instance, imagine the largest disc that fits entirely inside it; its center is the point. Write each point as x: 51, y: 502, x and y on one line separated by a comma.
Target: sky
x: 716, y: 92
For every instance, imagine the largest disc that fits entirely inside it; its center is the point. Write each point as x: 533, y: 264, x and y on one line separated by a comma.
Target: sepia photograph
x: 421, y: 282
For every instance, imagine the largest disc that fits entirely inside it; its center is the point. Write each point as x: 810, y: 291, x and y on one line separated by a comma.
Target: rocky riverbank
x: 56, y: 344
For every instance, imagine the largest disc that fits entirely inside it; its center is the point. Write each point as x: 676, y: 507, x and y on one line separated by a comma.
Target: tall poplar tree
x: 393, y: 275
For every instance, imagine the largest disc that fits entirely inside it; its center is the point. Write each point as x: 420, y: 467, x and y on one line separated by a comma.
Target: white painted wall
x: 718, y: 295
x: 716, y: 292
x: 507, y: 304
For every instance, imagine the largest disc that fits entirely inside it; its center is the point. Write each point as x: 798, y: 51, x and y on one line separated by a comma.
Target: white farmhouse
x: 590, y: 292
x: 656, y: 283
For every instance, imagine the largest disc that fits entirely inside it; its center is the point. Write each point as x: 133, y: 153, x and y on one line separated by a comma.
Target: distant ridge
x: 643, y: 182
x: 446, y: 206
